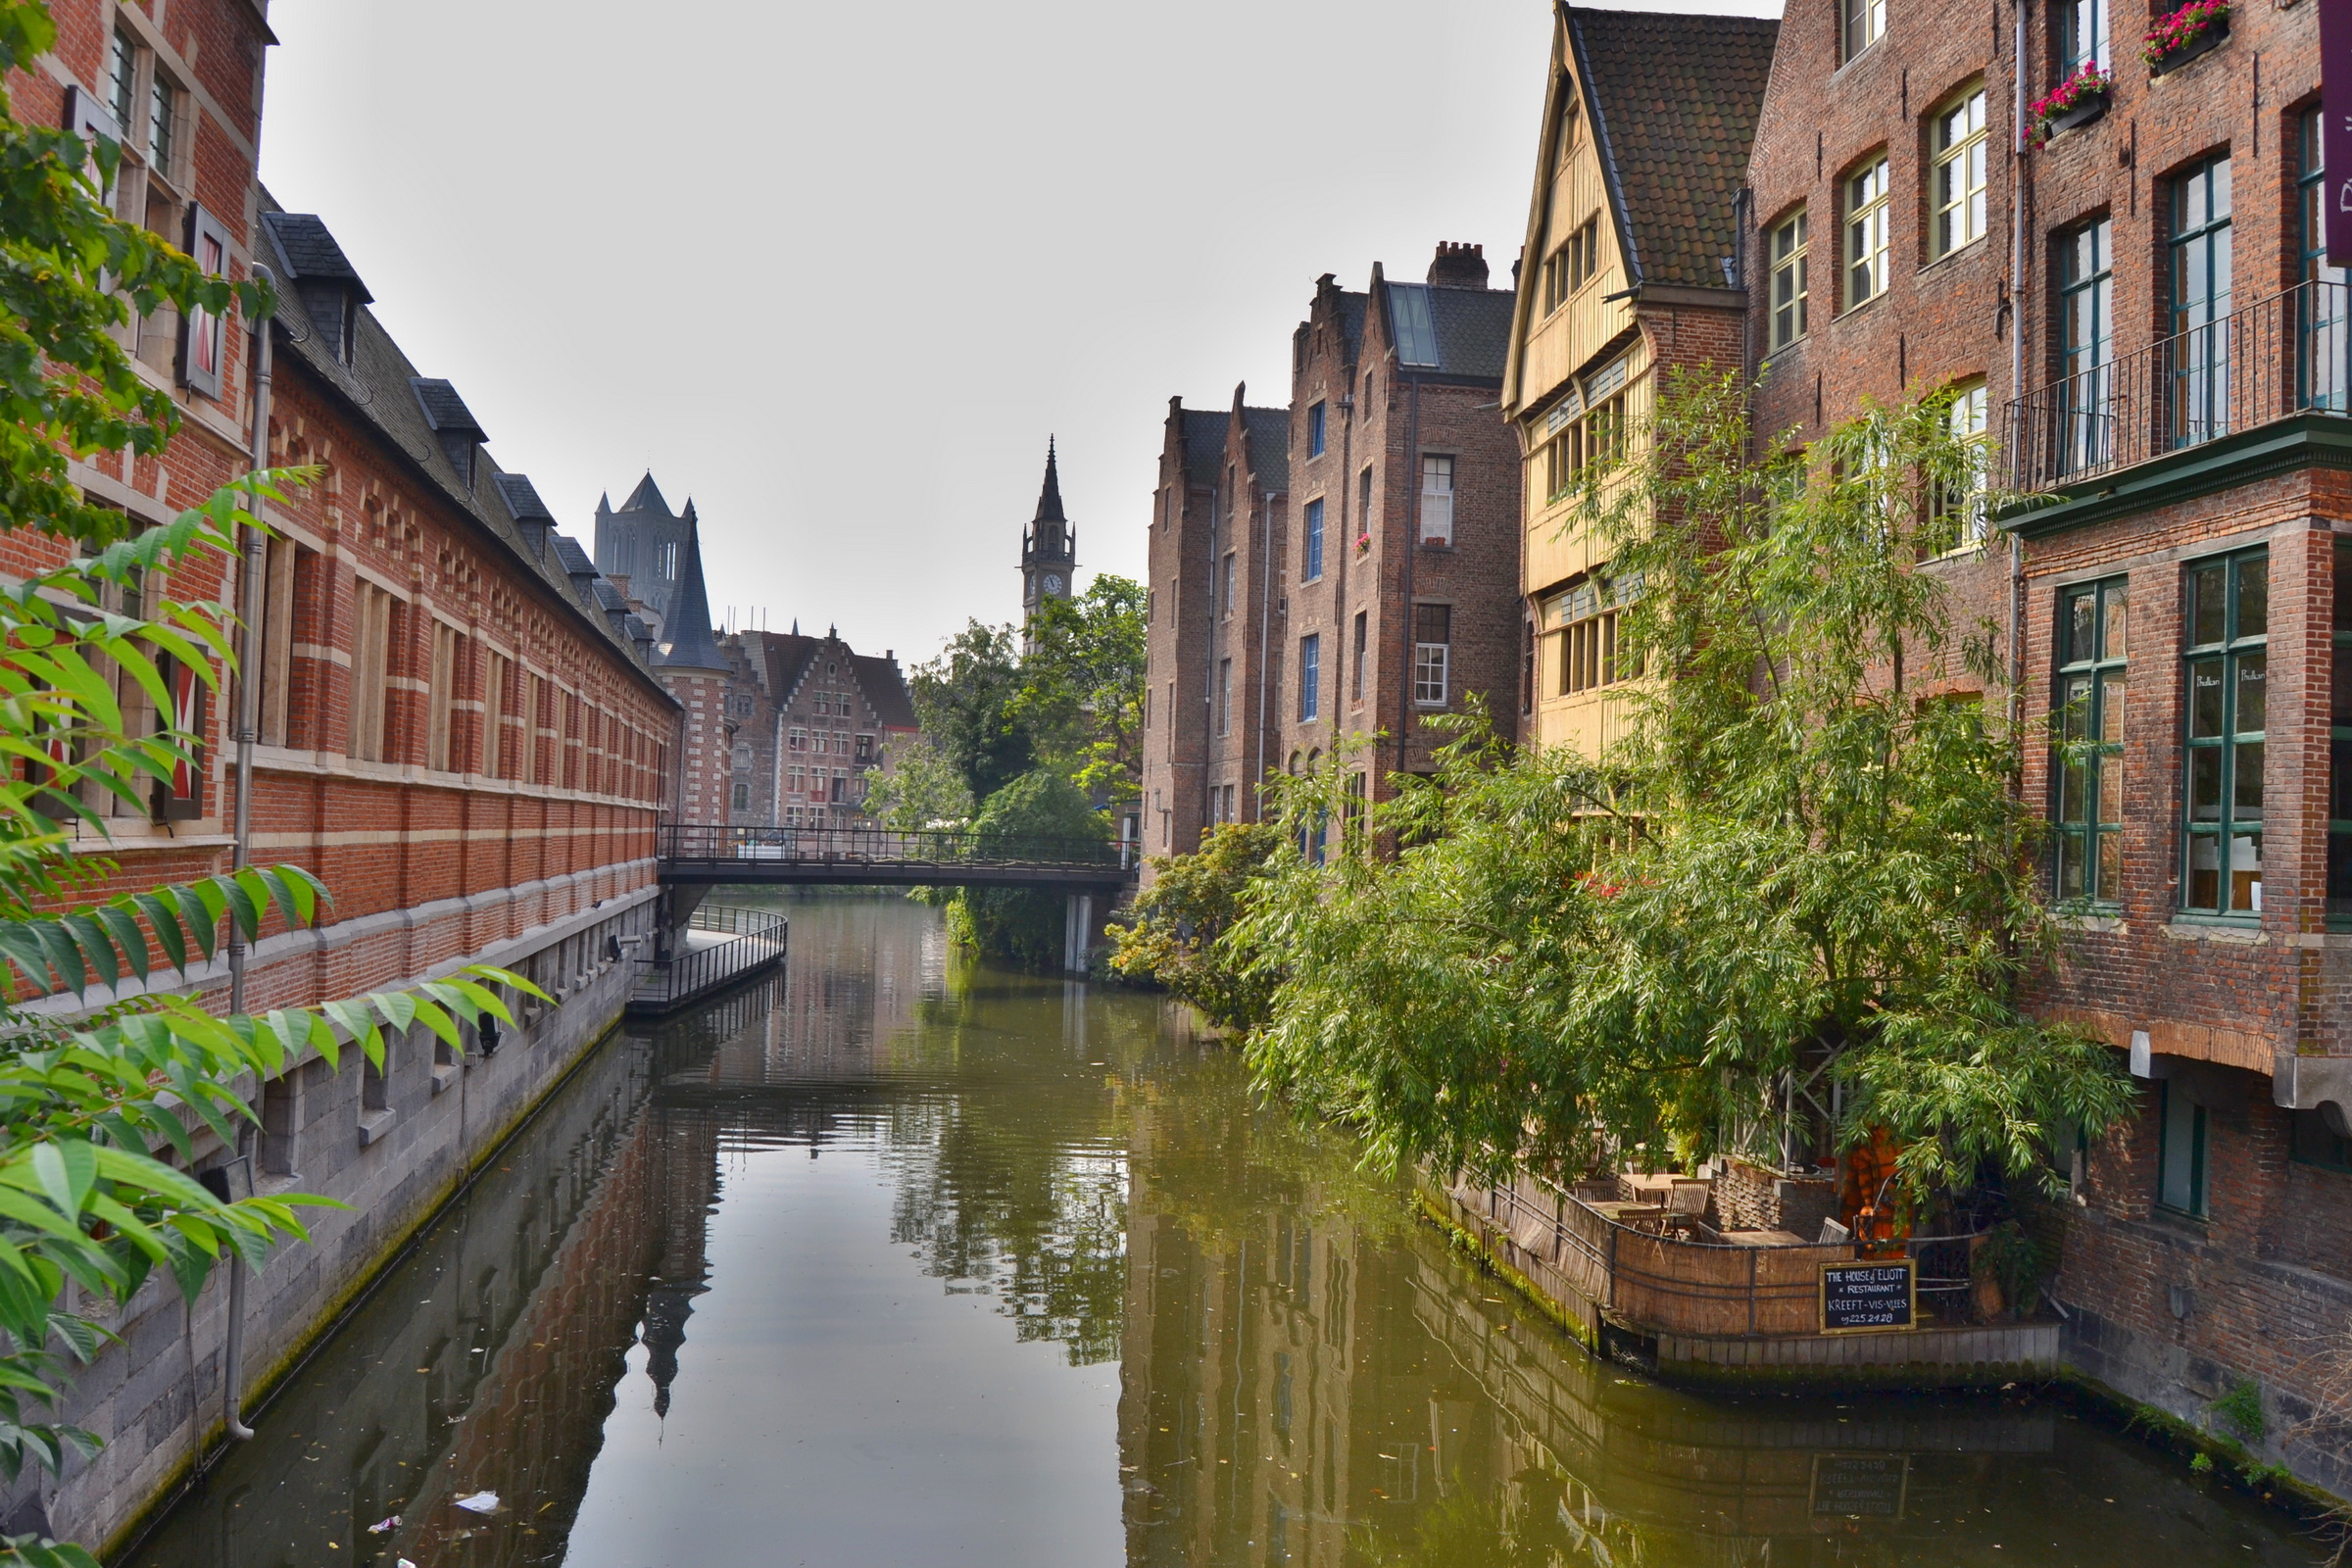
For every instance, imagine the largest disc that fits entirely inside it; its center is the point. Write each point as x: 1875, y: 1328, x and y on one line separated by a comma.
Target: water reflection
x: 895, y: 1260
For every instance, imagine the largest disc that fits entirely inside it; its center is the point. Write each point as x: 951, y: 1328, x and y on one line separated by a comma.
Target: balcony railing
x: 2280, y: 356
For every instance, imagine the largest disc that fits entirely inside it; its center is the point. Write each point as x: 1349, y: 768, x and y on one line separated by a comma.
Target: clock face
x: 1052, y: 582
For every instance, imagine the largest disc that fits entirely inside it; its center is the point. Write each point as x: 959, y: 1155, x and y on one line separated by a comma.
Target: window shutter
x: 90, y: 119
x: 180, y: 797
x: 201, y: 334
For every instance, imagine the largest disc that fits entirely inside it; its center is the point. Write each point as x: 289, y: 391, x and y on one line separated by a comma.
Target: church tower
x: 1048, y: 547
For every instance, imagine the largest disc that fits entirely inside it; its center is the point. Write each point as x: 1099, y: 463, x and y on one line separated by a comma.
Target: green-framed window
x: 2226, y: 621
x: 2181, y: 1153
x: 2088, y: 761
x: 2339, y: 744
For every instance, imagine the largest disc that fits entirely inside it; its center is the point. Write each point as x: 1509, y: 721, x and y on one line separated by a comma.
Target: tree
x: 85, y: 1103
x: 1804, y: 863
x: 922, y: 790
x: 964, y: 700
x: 1177, y: 935
x: 1022, y: 927
x: 1082, y: 688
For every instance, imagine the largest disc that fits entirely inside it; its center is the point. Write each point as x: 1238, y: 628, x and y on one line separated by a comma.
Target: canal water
x: 898, y: 1260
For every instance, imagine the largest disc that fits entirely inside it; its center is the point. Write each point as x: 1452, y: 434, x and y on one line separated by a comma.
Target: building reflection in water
x: 1307, y: 1374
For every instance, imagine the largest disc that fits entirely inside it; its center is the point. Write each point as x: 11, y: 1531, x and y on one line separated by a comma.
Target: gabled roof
x: 311, y: 255
x: 1269, y: 432
x: 1471, y: 327
x: 885, y: 691
x: 788, y: 655
x: 379, y: 390
x: 1205, y: 444
x: 1673, y: 101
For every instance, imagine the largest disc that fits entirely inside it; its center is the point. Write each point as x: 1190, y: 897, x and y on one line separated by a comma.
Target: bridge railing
x: 760, y: 937
x: 705, y: 843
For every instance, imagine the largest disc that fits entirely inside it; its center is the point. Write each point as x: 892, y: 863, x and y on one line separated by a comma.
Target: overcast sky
x: 836, y: 271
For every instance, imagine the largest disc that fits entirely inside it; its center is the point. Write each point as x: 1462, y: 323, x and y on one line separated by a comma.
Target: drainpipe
x: 1208, y: 676
x: 249, y: 704
x: 2017, y: 365
x: 1412, y: 552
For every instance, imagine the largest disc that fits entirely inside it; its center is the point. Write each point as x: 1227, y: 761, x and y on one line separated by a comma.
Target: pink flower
x: 2183, y: 27
x: 1363, y: 541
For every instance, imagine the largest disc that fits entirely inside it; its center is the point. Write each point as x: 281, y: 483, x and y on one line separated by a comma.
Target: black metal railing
x: 693, y: 842
x: 760, y: 938
x: 2280, y: 356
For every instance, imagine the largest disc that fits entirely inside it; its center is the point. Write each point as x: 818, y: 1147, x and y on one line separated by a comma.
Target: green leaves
x: 66, y: 952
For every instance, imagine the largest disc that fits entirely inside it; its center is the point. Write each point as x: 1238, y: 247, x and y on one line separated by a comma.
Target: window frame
x: 2228, y: 655
x: 1792, y: 265
x: 1447, y: 465
x: 2199, y: 1204
x: 1433, y: 659
x: 1958, y: 182
x: 1311, y: 552
x: 1866, y: 231
x: 1860, y: 24
x: 1318, y: 428
x: 2324, y: 364
x: 1311, y: 678
x: 2070, y: 49
x: 2101, y: 671
x: 2201, y: 380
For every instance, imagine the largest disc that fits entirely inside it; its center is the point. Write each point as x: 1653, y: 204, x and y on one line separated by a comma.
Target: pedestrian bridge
x: 1089, y: 873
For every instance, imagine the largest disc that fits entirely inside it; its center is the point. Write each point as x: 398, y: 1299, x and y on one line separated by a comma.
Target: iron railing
x: 760, y: 938
x: 2280, y: 356
x: 689, y: 842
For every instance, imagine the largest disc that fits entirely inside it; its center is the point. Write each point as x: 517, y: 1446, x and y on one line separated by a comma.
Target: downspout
x: 1209, y: 674
x: 1412, y: 552
x: 2016, y: 368
x: 249, y: 715
x: 1266, y: 632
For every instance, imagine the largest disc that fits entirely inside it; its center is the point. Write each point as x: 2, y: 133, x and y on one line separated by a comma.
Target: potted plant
x: 2178, y: 38
x: 2077, y: 101
x: 1363, y: 543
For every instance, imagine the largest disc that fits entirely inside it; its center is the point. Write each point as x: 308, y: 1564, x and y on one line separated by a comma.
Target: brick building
x: 2138, y: 310
x: 1629, y: 270
x: 1330, y: 576
x: 457, y: 729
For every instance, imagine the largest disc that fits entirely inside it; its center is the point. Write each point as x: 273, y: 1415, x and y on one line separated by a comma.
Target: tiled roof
x: 1676, y: 98
x: 444, y: 409
x: 885, y: 691
x: 522, y: 498
x: 1270, y: 436
x: 311, y: 254
x: 1474, y: 330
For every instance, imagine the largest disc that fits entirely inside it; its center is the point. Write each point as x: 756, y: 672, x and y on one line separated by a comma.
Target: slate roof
x: 444, y: 409
x: 1473, y: 327
x: 788, y: 654
x: 885, y: 691
x: 378, y: 389
x: 1674, y: 100
x: 1205, y: 444
x: 1269, y: 432
x: 522, y: 498
x: 310, y: 253
x: 647, y: 497
x: 691, y: 645
x: 1049, y: 499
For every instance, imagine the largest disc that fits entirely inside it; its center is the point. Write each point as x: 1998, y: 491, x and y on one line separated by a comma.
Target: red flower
x: 2183, y: 27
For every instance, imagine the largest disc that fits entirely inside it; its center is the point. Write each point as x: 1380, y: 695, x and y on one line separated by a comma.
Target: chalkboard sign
x: 1868, y: 1297
x: 1861, y: 1485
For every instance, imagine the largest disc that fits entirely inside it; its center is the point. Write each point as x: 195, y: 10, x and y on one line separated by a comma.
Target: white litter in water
x: 480, y: 1503
x: 405, y: 1563
x: 382, y: 1525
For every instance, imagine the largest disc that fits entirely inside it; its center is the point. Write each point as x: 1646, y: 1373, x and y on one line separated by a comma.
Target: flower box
x: 2196, y: 29
x: 2077, y: 101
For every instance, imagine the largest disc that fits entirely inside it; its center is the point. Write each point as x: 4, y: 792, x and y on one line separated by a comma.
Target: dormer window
x: 453, y: 424
x: 321, y: 277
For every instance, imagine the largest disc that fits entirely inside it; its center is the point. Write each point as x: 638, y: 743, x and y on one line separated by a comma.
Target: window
x: 1866, y: 217
x: 1314, y: 429
x: 122, y: 78
x: 866, y: 748
x: 285, y: 572
x: 743, y: 758
x: 163, y: 123
x: 1432, y: 647
x: 2086, y: 323
x: 1355, y: 689
x: 2228, y: 616
x: 1363, y: 502
x: 1526, y: 675
x: 2181, y: 1160
x: 743, y: 798
x: 2327, y: 367
x: 1310, y: 678
x: 1225, y: 587
x: 1576, y: 263
x: 494, y: 717
x: 2314, y: 1141
x: 2201, y: 296
x: 200, y: 356
x: 370, y: 670
x: 1224, y: 696
x: 1586, y: 619
x: 1572, y: 125
x: 1864, y: 21
x: 796, y: 780
x: 1960, y: 507
x: 1960, y: 173
x: 1786, y: 250
x: 1436, y: 499
x: 534, y: 702
x: 1416, y: 333
x: 797, y: 740
x: 1311, y: 559
x: 2081, y: 36
x: 2339, y: 744
x: 445, y: 674
x: 2088, y: 764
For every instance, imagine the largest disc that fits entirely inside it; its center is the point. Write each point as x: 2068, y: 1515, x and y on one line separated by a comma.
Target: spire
x: 1049, y: 499
x: 604, y: 502
x: 647, y: 497
x: 688, y: 621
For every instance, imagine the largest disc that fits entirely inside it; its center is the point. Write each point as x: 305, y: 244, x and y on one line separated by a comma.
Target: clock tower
x: 1048, y: 547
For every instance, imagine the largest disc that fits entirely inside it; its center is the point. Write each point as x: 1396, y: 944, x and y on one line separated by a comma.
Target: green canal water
x: 896, y: 1261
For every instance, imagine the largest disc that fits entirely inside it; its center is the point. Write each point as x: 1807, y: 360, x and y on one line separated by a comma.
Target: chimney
x: 1459, y: 265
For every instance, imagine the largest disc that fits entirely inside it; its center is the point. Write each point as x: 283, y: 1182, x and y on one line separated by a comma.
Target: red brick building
x: 459, y: 730
x: 2137, y: 304
x: 1330, y: 577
